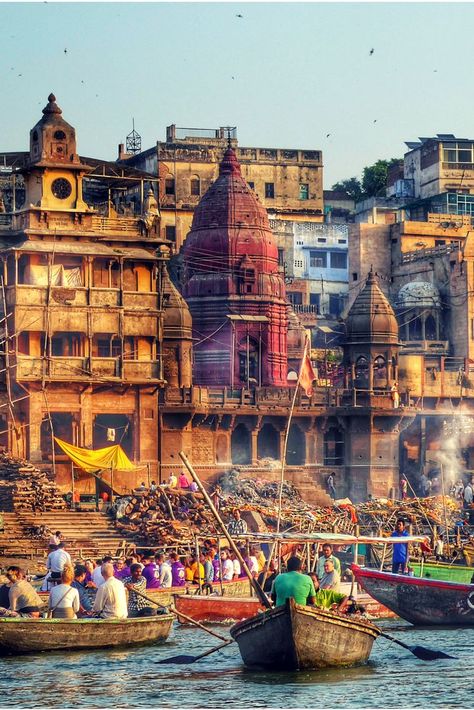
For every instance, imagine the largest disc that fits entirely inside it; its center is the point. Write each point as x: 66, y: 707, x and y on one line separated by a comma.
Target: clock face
x: 61, y: 188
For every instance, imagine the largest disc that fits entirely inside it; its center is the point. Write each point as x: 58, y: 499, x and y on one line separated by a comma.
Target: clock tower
x: 53, y: 178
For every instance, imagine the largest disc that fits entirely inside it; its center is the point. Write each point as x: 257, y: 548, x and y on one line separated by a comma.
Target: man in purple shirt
x: 121, y: 569
x: 151, y: 571
x: 177, y: 571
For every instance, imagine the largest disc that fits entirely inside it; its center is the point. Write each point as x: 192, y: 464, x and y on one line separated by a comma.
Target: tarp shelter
x: 111, y: 458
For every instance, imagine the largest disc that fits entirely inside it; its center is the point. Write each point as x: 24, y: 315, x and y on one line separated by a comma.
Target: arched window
x: 169, y: 185
x: 196, y: 185
x: 362, y: 372
x: 380, y: 372
x: 431, y: 331
x: 415, y: 329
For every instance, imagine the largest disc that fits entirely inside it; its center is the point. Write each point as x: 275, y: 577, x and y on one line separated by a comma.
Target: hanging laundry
x: 110, y: 434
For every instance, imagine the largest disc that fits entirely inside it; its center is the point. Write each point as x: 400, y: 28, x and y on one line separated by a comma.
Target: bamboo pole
x: 259, y: 591
x: 287, y: 433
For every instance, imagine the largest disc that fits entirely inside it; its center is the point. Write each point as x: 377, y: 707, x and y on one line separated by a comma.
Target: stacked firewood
x: 421, y: 513
x: 164, y: 517
x: 25, y: 487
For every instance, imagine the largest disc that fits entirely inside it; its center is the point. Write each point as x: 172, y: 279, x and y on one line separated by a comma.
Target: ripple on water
x: 133, y: 678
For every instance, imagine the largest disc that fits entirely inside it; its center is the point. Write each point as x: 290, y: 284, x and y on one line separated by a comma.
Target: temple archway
x: 268, y: 442
x: 296, y: 447
x: 241, y: 447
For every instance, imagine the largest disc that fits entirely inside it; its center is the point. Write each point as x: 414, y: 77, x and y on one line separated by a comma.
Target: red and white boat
x: 427, y: 602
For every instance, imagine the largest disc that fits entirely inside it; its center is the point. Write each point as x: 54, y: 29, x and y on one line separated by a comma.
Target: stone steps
x: 86, y: 534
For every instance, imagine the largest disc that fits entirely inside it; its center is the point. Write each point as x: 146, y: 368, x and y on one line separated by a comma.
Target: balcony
x: 141, y: 300
x: 105, y: 367
x: 141, y: 370
x: 427, y: 346
x: 71, y: 369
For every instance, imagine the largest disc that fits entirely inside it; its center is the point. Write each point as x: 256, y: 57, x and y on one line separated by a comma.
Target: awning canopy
x: 111, y: 457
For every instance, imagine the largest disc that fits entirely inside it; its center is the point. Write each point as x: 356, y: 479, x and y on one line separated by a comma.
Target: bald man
x: 111, y: 600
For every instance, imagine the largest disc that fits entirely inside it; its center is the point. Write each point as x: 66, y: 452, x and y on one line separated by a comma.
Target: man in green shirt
x: 293, y: 585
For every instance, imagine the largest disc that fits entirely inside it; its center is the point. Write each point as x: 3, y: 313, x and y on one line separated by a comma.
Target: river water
x: 132, y: 678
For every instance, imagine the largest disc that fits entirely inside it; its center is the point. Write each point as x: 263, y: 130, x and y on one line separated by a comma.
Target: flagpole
x: 287, y: 432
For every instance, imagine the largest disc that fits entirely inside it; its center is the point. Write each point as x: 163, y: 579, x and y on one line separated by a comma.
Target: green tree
x: 374, y: 177
x: 351, y: 186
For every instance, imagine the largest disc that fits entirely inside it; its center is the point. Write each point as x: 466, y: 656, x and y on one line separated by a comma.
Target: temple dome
x: 235, y: 223
x: 371, y: 318
x: 418, y: 294
x: 234, y: 286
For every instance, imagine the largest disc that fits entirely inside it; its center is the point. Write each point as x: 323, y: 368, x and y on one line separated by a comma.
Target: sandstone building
x: 288, y: 182
x: 100, y: 347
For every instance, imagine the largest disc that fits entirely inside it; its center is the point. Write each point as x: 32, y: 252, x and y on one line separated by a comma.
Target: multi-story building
x: 82, y: 304
x: 426, y: 269
x: 288, y: 182
x: 314, y: 258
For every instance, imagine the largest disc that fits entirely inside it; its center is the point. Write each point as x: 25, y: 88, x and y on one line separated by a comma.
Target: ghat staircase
x: 86, y: 534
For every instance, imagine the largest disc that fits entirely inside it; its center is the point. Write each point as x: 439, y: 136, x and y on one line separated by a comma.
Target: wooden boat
x: 236, y: 588
x: 295, y: 637
x: 215, y: 609
x: 373, y: 608
x: 429, y: 602
x: 19, y: 635
x: 443, y: 571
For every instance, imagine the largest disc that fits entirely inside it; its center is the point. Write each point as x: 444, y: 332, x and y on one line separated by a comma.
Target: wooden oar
x: 184, y: 616
x: 259, y: 591
x: 425, y: 654
x: 191, y: 659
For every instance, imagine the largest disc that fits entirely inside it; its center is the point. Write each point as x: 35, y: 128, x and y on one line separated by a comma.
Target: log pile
x: 172, y: 517
x: 164, y: 517
x: 421, y: 513
x: 25, y: 487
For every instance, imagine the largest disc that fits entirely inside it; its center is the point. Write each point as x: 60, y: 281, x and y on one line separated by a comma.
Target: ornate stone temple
x: 234, y: 288
x: 99, y: 346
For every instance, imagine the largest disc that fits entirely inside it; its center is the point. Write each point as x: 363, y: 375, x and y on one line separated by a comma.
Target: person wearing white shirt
x: 111, y: 599
x: 63, y: 599
x: 57, y: 559
x: 97, y: 575
x: 165, y: 571
x: 236, y: 565
x: 227, y: 567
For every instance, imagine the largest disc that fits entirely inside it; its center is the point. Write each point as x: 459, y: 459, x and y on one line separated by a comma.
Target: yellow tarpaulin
x: 94, y: 461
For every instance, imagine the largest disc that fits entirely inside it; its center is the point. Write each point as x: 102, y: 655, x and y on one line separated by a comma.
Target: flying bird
x: 239, y: 16
x: 371, y: 52
x: 375, y: 120
x: 327, y: 135
x: 65, y: 51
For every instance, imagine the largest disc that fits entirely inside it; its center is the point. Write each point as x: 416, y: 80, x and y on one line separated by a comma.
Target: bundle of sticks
x: 25, y: 487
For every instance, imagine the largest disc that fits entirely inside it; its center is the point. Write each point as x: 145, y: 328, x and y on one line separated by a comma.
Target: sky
x: 288, y: 75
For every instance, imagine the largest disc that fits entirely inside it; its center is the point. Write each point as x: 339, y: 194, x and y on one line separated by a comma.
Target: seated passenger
x: 293, y: 584
x: 63, y: 602
x: 111, y: 599
x: 23, y: 598
x: 330, y: 579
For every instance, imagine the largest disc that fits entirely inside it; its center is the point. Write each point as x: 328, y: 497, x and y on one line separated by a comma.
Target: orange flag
x: 307, y: 376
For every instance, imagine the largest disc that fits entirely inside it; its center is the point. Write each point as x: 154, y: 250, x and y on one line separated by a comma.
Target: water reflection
x: 133, y: 678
